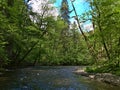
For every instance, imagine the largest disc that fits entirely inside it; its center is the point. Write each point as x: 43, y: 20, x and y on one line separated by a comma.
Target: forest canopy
x: 31, y: 38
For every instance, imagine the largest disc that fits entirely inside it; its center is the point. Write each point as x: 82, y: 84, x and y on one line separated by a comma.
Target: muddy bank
x: 104, y: 77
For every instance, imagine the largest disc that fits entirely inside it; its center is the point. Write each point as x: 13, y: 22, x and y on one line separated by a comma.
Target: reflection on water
x: 49, y: 78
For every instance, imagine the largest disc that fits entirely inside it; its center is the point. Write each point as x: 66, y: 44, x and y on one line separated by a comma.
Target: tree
x: 91, y: 51
x: 106, y: 21
x: 65, y: 11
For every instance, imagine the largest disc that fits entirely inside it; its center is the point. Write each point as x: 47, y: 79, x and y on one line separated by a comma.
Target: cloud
x: 38, y: 7
x: 88, y: 27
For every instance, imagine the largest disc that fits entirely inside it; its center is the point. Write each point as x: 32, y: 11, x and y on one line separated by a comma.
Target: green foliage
x: 47, y: 41
x: 106, y: 38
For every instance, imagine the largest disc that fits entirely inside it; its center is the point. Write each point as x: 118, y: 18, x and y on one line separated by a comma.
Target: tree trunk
x: 101, y: 33
x: 91, y: 51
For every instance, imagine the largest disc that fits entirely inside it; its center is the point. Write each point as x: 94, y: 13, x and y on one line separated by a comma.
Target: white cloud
x: 88, y: 27
x: 39, y: 6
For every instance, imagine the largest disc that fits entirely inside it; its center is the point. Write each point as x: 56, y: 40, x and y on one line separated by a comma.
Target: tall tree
x: 65, y: 11
x: 91, y: 51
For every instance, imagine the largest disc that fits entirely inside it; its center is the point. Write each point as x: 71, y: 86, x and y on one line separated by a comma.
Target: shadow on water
x: 49, y: 78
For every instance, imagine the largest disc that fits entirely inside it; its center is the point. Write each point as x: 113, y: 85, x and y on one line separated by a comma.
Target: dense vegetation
x: 106, y: 38
x: 46, y: 40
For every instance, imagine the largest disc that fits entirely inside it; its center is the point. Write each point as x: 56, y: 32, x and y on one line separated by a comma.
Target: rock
x: 38, y: 74
x: 25, y: 87
x: 91, y: 76
x: 81, y: 72
x: 108, y: 78
x: 84, y: 74
x: 104, y: 77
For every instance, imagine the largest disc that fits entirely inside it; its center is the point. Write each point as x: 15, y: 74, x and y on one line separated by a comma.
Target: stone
x: 103, y: 77
x: 91, y: 76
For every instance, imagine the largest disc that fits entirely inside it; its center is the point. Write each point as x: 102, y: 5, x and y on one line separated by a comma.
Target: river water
x: 49, y: 78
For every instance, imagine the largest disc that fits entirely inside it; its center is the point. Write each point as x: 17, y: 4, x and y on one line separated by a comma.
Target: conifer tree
x: 65, y: 11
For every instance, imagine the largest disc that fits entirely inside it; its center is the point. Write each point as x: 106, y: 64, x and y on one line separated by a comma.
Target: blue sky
x: 80, y: 5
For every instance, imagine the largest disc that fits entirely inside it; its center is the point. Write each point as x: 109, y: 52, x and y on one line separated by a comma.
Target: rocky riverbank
x: 104, y: 77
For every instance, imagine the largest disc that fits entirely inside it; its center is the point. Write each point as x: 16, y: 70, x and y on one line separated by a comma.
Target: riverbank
x: 103, y: 77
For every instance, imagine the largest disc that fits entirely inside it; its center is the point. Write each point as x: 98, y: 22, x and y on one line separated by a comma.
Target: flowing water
x: 49, y: 78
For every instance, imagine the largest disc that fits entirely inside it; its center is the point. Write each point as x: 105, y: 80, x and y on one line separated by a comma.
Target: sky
x: 81, y: 6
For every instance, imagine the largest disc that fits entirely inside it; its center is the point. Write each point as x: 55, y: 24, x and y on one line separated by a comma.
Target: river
x: 49, y: 78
